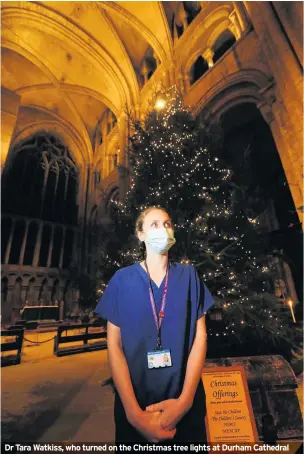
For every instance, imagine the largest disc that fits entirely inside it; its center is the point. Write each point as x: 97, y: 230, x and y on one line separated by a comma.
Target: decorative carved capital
x: 208, y: 56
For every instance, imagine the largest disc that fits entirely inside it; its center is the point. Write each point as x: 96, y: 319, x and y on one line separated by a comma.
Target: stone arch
x: 198, y: 69
x: 146, y: 33
x: 6, y: 43
x: 64, y: 131
x: 242, y: 85
x: 112, y: 194
x: 222, y: 44
x: 202, y: 38
x: 58, y: 27
x: 42, y: 180
x: 217, y: 32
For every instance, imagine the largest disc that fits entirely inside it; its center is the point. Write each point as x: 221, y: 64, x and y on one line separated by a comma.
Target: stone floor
x: 47, y: 399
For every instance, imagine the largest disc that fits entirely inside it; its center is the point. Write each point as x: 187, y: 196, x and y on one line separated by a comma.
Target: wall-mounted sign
x: 229, y: 412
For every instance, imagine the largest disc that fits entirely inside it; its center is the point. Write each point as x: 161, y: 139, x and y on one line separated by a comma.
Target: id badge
x: 159, y: 358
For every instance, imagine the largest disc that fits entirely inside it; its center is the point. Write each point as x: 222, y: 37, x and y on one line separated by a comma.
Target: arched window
x: 198, y: 69
x: 41, y: 181
x: 222, y: 44
x: 148, y: 65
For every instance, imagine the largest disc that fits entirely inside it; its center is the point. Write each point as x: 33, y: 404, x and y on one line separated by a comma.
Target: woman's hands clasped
x: 172, y: 411
x: 149, y: 425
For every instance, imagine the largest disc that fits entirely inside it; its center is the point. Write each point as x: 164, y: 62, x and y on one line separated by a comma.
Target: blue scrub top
x: 126, y: 304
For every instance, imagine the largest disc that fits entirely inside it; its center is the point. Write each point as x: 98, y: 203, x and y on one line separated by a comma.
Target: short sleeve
x: 204, y: 298
x: 107, y: 306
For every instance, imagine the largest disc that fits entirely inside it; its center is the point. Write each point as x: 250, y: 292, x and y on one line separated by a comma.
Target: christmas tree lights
x: 174, y: 165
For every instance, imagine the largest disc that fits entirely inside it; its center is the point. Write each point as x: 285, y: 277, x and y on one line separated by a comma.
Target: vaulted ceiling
x: 73, y: 60
x: 98, y: 46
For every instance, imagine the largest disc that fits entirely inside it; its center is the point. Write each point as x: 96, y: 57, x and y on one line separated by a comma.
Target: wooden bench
x: 82, y: 337
x: 16, y: 344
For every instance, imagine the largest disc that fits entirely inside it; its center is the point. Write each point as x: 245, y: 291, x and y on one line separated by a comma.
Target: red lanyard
x: 158, y: 318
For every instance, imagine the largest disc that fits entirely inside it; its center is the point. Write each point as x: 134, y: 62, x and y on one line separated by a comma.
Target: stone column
x: 180, y: 82
x: 187, y: 82
x: 10, y: 102
x: 241, y: 15
x: 183, y: 17
x: 24, y: 289
x: 49, y: 259
x: 156, y: 58
x: 10, y: 302
x: 22, y: 251
x: 208, y: 56
x: 287, y: 129
x: 38, y: 245
x: 123, y: 143
x: 144, y: 71
x: 62, y: 248
x: 269, y: 110
x: 9, y: 244
x: 235, y: 26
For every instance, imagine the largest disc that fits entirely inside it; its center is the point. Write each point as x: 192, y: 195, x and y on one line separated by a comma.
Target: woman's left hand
x: 172, y: 412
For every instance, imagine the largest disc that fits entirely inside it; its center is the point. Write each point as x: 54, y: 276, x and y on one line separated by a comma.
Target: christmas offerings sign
x: 229, y: 412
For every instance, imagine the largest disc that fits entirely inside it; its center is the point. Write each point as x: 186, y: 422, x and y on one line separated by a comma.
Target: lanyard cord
x: 158, y: 318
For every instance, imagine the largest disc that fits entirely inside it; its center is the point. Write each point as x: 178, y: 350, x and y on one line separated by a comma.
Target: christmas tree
x: 174, y: 164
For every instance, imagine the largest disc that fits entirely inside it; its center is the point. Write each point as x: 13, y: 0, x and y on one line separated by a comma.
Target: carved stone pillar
x: 9, y: 244
x: 123, y: 144
x: 180, y: 82
x: 183, y: 18
x: 10, y: 102
x: 241, y: 15
x: 187, y: 82
x: 62, y: 248
x: 208, y: 56
x: 38, y: 246
x: 22, y: 251
x: 235, y: 25
x: 49, y: 259
x: 144, y: 71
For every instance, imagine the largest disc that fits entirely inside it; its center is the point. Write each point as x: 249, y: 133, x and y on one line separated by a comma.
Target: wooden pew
x: 84, y: 337
x: 15, y: 344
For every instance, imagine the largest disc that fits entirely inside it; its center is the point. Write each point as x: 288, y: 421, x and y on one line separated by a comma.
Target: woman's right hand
x: 148, y: 424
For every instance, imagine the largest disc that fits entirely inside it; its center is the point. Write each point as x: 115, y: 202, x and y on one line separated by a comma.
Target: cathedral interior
x: 70, y: 73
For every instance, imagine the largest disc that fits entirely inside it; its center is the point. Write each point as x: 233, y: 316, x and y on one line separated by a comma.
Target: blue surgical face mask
x: 159, y: 240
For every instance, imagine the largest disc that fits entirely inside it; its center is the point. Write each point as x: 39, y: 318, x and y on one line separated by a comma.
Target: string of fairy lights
x: 185, y: 168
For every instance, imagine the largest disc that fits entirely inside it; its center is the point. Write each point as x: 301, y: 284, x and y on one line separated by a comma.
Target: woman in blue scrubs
x: 157, y: 341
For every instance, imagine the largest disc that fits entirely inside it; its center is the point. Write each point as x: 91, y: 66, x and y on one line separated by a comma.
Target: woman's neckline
x: 141, y: 265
